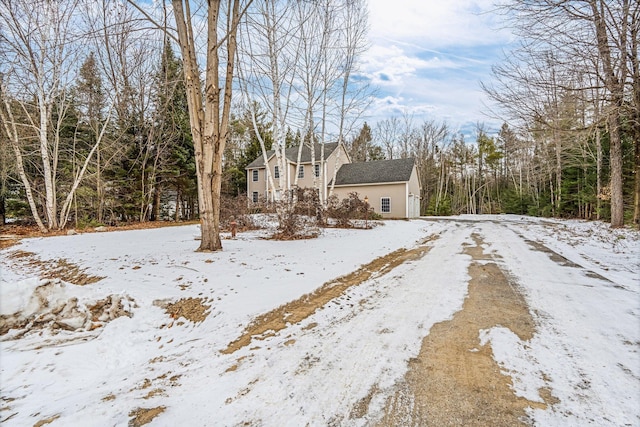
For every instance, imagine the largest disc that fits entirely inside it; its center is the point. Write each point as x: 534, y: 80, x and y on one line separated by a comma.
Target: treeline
x: 513, y: 171
x: 95, y: 126
x: 570, y: 93
x: 99, y: 125
x: 571, y: 88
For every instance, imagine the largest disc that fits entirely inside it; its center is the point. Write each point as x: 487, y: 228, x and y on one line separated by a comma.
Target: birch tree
x: 41, y: 41
x: 353, y: 99
x: 266, y: 73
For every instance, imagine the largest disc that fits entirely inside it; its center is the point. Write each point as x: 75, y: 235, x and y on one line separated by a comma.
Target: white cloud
x: 436, y: 23
x: 389, y: 65
x: 427, y: 58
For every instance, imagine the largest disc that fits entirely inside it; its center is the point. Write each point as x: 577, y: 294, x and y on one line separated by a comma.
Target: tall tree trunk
x: 99, y: 186
x: 3, y: 218
x: 208, y: 114
x: 155, y: 207
x: 9, y: 125
x: 636, y: 172
x: 615, y: 86
x: 178, y: 202
x: 50, y: 207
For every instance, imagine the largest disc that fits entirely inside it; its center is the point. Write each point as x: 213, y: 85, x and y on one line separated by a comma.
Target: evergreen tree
x: 359, y: 146
x: 176, y: 166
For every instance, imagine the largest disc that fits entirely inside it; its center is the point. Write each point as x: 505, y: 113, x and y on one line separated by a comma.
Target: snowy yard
x: 340, y: 330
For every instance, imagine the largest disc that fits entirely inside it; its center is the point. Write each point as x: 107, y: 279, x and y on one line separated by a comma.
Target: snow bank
x: 46, y: 304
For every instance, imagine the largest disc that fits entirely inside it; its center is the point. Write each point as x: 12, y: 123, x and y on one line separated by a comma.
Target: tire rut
x: 455, y: 380
x: 268, y: 324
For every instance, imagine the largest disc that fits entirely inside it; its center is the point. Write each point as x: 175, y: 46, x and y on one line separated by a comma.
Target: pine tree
x: 359, y: 147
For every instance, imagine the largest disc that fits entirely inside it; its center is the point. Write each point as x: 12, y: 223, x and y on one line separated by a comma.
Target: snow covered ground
x: 120, y: 351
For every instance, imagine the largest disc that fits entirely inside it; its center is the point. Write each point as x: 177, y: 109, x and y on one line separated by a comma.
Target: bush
x: 294, y: 217
x: 87, y: 222
x: 236, y: 209
x: 444, y: 206
x: 351, y: 208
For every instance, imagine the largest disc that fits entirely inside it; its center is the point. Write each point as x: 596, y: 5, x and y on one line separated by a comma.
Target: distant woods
x: 95, y: 125
x: 571, y: 90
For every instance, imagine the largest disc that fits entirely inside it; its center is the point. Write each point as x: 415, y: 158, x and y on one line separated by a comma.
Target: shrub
x: 348, y: 209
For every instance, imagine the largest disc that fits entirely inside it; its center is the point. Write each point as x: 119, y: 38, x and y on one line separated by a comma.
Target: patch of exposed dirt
x: 192, y: 309
x: 8, y: 240
x: 53, y: 269
x: 455, y: 381
x: 142, y: 416
x: 361, y: 407
x: 294, y: 312
x: 561, y: 260
x: 46, y: 421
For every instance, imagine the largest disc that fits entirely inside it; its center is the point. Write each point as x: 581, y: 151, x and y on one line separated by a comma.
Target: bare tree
x: 596, y: 38
x: 266, y: 69
x: 387, y: 134
x: 353, y: 98
x: 41, y: 41
x: 209, y: 101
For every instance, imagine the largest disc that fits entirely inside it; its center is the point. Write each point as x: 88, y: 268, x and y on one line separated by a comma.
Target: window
x: 385, y: 204
x: 255, y: 175
x: 301, y: 171
x: 276, y: 172
x: 254, y: 197
x: 316, y: 170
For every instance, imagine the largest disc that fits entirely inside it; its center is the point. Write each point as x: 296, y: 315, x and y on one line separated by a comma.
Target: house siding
x: 396, y: 192
x: 291, y: 173
x: 260, y: 185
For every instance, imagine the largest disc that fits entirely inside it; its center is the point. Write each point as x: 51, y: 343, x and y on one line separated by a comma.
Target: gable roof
x: 397, y: 170
x: 291, y: 154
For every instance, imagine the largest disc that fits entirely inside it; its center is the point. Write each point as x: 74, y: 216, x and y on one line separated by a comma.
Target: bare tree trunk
x: 615, y: 86
x: 176, y: 217
x: 634, y: 54
x: 636, y: 193
x: 209, y: 119
x: 9, y: 124
x: 66, y: 206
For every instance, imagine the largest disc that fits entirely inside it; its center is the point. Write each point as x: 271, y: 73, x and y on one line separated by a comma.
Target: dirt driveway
x: 454, y: 380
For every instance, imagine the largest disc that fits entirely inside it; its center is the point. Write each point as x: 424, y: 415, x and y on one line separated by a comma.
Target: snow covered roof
x: 292, y: 154
x: 376, y: 172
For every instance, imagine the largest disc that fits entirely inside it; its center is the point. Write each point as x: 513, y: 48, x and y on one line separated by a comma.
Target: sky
x: 427, y: 58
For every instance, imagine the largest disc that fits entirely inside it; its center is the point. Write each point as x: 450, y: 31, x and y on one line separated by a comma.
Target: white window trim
x: 276, y: 172
x: 255, y: 197
x: 254, y: 175
x: 300, y: 171
x: 382, y: 204
x: 316, y: 170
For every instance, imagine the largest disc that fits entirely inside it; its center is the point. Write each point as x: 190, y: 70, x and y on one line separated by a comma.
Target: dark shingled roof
x: 292, y: 154
x: 396, y: 170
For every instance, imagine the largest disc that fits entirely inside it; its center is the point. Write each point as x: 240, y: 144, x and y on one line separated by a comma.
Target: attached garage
x: 391, y: 186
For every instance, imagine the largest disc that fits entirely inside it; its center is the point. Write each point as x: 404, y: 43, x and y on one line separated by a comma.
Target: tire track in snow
x: 455, y: 379
x: 268, y: 324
